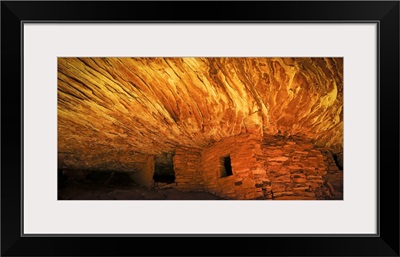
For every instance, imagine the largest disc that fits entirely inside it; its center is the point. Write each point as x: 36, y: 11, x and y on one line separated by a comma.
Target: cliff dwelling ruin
x: 224, y: 128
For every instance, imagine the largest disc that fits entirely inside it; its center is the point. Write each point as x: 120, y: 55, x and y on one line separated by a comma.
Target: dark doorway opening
x: 164, y: 168
x: 226, y: 166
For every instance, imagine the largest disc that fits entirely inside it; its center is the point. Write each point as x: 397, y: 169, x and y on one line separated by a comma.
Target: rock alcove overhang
x: 111, y: 111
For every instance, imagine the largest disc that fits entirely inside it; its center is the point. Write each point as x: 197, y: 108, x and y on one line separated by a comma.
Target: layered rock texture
x: 279, y: 120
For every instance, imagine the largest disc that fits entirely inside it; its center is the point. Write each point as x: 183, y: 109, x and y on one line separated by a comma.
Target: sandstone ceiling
x: 112, y: 106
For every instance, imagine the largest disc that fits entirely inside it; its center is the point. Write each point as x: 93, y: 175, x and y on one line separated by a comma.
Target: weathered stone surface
x: 153, y: 105
x: 278, y: 187
x: 284, y: 178
x: 278, y: 159
x: 304, y: 173
x: 144, y: 176
x: 246, y: 170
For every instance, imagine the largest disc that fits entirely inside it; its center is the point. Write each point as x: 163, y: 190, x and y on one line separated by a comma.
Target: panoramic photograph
x: 200, y: 128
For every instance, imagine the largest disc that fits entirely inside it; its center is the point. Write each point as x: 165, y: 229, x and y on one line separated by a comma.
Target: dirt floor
x: 99, y: 188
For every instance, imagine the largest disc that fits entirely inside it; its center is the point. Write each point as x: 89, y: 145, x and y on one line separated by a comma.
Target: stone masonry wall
x: 276, y: 168
x: 247, y: 173
x: 188, y: 170
x: 298, y: 169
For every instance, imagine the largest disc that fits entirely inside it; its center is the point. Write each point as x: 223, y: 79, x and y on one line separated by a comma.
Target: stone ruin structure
x: 239, y: 128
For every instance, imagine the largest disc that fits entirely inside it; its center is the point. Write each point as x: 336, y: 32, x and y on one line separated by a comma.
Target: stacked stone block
x: 297, y: 168
x: 188, y: 170
x: 247, y: 173
x: 275, y: 168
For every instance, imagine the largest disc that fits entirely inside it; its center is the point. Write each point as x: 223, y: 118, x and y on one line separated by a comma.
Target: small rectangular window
x: 226, y: 167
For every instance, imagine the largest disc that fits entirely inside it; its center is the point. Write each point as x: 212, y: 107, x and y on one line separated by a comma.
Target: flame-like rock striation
x: 110, y: 109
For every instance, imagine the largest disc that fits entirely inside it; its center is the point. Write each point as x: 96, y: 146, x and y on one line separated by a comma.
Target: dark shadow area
x: 114, y: 185
x: 108, y: 178
x: 81, y: 191
x: 164, y: 179
x: 164, y: 169
x: 89, y: 184
x: 61, y: 179
x: 339, y: 163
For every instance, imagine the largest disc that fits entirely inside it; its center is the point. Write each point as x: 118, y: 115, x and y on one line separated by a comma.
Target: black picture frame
x: 384, y: 13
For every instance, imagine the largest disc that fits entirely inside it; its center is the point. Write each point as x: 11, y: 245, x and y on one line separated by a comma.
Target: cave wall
x: 143, y: 172
x: 91, y: 159
x: 140, y: 167
x: 73, y: 174
x: 153, y: 105
x: 188, y: 169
